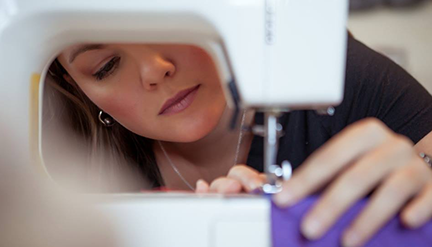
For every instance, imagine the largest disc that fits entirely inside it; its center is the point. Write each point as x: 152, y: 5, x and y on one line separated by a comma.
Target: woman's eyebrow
x: 83, y: 48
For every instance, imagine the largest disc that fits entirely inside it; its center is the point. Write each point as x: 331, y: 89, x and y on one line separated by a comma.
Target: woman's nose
x: 156, y: 70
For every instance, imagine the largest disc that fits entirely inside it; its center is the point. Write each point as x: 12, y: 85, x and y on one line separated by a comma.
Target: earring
x: 107, y: 121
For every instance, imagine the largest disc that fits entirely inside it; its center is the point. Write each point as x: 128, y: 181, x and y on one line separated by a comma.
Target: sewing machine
x: 271, y: 55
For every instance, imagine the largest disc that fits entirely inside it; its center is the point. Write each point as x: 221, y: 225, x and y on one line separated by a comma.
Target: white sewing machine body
x: 177, y: 219
x: 273, y: 53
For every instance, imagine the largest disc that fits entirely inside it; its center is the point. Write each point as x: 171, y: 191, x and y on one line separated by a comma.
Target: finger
x: 226, y: 185
x: 419, y: 211
x: 248, y: 177
x: 384, y: 204
x: 326, y: 162
x: 356, y: 182
x: 202, y: 186
x: 263, y: 177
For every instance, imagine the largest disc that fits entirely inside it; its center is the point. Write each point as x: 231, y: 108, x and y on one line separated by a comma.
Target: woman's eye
x: 107, y: 69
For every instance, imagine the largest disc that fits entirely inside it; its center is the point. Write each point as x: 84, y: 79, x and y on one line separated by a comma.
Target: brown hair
x: 110, y: 149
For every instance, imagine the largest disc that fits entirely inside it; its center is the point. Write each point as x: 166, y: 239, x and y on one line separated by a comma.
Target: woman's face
x: 163, y: 92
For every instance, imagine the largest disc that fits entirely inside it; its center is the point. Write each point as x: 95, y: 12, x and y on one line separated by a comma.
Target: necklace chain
x: 176, y: 170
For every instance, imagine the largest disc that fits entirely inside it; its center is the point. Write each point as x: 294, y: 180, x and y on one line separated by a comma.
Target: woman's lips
x: 180, y: 101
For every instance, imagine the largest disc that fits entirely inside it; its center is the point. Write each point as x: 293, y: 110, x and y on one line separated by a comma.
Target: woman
x: 162, y: 108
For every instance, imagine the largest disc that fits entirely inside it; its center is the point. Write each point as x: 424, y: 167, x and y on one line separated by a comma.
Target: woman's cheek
x: 198, y: 59
x: 124, y: 110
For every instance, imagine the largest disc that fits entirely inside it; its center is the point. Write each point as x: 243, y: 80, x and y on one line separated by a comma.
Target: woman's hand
x: 240, y: 178
x: 365, y: 156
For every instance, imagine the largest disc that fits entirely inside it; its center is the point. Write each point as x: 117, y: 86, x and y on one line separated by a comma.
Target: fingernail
x: 312, y: 228
x: 351, y: 239
x: 284, y: 199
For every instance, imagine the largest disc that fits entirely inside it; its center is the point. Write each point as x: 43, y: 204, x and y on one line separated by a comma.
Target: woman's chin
x: 191, y: 131
x: 189, y: 135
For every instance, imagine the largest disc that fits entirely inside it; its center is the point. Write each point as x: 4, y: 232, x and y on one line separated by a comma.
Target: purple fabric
x: 286, y: 225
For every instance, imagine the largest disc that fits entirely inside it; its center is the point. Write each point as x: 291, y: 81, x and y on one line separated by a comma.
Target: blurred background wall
x: 400, y: 29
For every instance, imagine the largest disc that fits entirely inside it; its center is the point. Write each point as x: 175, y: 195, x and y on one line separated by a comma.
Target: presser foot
x: 277, y: 175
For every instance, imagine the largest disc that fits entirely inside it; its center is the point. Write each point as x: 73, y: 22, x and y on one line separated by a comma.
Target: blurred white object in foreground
x: 177, y: 219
